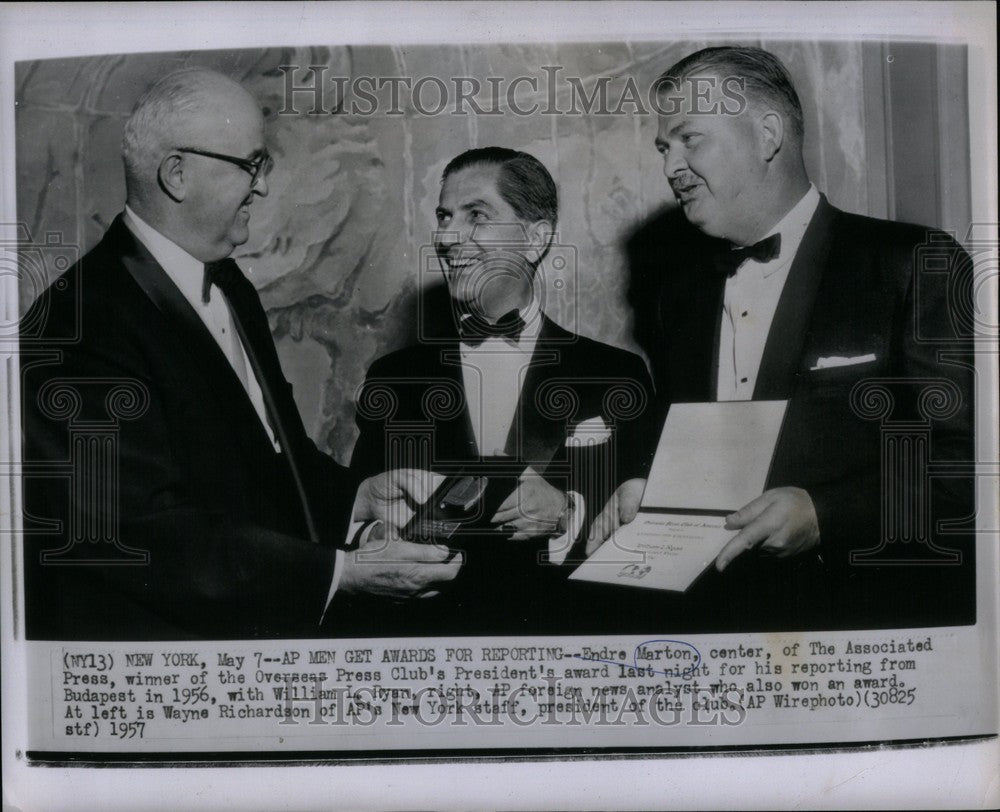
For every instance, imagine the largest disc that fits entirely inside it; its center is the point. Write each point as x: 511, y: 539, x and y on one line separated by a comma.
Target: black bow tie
x: 727, y: 259
x: 474, y: 329
x: 223, y: 274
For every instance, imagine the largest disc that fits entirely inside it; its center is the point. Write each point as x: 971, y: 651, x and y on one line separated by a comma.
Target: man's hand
x: 397, y: 569
x: 620, y: 509
x: 392, y: 497
x: 782, y: 521
x: 533, y: 509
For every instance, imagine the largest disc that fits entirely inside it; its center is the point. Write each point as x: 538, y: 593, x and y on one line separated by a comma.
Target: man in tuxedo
x: 758, y: 288
x: 503, y: 389
x: 149, y: 370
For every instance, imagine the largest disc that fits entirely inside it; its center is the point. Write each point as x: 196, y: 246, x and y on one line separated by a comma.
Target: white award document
x: 658, y: 551
x: 712, y: 459
x: 714, y: 456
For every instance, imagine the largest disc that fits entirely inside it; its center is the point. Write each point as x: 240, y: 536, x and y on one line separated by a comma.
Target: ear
x: 540, y: 236
x: 170, y: 176
x: 771, y: 130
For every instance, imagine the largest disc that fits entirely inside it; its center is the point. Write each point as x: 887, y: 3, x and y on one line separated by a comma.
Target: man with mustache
x: 762, y: 290
x: 515, y: 393
x: 226, y: 520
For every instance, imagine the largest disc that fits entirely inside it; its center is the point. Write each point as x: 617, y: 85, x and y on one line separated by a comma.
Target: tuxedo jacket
x: 871, y: 345
x: 418, y: 392
x: 191, y: 523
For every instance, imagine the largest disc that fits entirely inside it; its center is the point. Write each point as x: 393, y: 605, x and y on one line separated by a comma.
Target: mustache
x: 684, y: 182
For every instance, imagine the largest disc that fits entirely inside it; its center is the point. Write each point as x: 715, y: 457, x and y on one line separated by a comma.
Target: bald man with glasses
x: 217, y: 517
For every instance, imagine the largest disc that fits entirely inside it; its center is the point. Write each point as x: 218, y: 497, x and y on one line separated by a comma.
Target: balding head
x: 198, y: 201
x: 165, y: 116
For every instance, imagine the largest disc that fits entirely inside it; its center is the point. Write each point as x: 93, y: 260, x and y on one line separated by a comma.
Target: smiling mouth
x: 460, y: 263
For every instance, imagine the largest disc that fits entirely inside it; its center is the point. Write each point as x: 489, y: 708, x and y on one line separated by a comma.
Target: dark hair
x: 523, y: 182
x: 765, y: 77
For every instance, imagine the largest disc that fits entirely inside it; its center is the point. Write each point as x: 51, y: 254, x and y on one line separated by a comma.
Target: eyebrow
x: 478, y: 203
x: 681, y: 125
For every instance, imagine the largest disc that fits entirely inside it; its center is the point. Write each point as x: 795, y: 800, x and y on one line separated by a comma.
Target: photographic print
x: 596, y: 395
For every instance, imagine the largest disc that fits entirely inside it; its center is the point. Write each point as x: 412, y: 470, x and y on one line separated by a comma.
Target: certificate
x: 712, y: 459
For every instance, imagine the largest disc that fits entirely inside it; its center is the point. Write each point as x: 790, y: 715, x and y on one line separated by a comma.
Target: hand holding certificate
x: 712, y: 459
x: 782, y: 521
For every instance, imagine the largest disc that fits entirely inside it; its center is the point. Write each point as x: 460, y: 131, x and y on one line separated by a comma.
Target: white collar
x: 792, y: 228
x: 183, y: 269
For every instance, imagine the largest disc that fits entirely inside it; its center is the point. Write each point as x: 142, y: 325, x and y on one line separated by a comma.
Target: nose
x: 453, y: 234
x: 674, y: 163
x: 259, y: 185
x: 446, y: 238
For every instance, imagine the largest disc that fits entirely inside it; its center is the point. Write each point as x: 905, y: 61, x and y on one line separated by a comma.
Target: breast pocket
x: 832, y: 379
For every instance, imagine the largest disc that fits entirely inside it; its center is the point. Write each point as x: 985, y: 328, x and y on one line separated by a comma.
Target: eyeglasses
x: 255, y: 167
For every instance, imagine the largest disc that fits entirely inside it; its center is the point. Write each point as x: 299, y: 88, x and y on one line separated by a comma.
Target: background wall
x: 336, y: 247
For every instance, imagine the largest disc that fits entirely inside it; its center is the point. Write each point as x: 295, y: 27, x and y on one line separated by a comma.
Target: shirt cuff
x: 357, y: 534
x: 560, y: 546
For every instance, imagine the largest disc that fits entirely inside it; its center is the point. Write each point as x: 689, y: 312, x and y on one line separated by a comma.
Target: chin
x: 238, y: 236
x: 706, y: 225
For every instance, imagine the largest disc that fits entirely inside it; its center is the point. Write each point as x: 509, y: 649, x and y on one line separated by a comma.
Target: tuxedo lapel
x: 535, y: 435
x: 785, y: 340
x: 454, y: 438
x: 258, y: 336
x: 250, y: 321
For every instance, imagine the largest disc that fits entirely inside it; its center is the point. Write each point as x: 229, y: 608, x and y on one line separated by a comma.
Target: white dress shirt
x: 493, y: 373
x: 188, y: 274
x: 750, y: 301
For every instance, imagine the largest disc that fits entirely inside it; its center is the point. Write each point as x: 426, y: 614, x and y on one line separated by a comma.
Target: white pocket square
x: 591, y: 431
x: 842, y: 361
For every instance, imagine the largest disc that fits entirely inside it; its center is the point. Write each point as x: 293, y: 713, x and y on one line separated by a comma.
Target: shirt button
x: 743, y: 380
x: 744, y: 314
